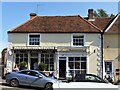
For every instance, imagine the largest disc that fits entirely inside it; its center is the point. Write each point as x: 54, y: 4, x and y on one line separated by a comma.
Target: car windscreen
x: 43, y: 74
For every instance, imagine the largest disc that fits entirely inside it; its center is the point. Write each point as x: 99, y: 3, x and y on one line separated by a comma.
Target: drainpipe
x: 102, y: 55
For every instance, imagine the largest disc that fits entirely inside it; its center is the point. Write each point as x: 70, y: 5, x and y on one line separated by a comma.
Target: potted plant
x: 23, y: 65
x: 42, y: 66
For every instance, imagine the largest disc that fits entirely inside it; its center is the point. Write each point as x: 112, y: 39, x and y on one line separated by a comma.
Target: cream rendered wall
x: 93, y: 41
x: 55, y: 39
x: 110, y: 51
x: 18, y: 39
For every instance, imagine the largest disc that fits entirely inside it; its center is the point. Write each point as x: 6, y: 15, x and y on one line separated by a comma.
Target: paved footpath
x: 3, y: 86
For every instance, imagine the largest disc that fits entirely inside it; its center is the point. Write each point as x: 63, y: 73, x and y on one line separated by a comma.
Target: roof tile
x: 56, y: 24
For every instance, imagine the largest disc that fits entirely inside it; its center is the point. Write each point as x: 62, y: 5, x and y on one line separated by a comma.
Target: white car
x: 85, y: 81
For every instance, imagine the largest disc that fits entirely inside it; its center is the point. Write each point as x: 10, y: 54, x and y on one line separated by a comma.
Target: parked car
x: 30, y: 78
x: 86, y: 81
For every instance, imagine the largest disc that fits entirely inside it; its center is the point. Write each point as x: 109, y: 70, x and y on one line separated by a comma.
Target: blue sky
x: 15, y: 13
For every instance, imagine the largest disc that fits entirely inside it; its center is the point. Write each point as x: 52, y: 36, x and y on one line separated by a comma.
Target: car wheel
x: 14, y: 83
x: 48, y: 86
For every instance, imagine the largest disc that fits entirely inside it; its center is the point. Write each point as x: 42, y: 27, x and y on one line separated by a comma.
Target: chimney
x: 32, y: 15
x: 90, y: 13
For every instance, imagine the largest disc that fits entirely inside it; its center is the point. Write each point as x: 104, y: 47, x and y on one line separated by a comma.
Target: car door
x: 34, y: 79
x: 22, y: 76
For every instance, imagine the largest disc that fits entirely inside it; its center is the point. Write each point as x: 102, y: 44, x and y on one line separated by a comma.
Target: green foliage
x: 23, y: 64
x: 42, y: 66
x: 100, y: 13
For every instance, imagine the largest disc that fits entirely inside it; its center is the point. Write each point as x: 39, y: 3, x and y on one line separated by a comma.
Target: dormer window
x: 34, y: 39
x: 78, y: 40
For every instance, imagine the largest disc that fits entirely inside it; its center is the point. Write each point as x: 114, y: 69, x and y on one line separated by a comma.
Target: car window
x: 93, y: 78
x: 32, y: 73
x: 43, y: 74
x: 79, y: 78
x: 24, y: 72
x: 88, y: 78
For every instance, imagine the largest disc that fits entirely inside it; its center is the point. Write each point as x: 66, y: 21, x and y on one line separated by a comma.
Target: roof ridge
x: 90, y: 23
x: 61, y: 16
x: 22, y: 24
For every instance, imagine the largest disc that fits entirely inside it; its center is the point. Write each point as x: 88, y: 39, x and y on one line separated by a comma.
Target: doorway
x: 33, y: 60
x: 109, y: 68
x: 62, y: 68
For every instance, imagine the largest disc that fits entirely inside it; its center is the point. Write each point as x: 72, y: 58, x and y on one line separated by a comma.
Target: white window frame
x: 17, y: 59
x: 78, y: 34
x: 34, y: 34
x: 49, y: 57
x: 78, y: 61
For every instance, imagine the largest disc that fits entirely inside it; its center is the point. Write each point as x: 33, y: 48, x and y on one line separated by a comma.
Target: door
x: 35, y: 80
x: 33, y: 60
x: 62, y: 67
x: 109, y: 68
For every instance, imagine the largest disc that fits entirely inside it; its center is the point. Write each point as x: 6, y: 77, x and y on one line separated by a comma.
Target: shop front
x: 73, y: 62
x: 58, y: 61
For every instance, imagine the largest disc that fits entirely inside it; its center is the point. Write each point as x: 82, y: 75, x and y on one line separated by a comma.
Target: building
x: 3, y: 61
x: 74, y: 43
x: 61, y: 42
x: 111, y: 54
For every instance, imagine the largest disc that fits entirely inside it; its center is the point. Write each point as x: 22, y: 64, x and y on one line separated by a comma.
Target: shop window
x: 21, y: 57
x: 77, y: 65
x: 48, y: 59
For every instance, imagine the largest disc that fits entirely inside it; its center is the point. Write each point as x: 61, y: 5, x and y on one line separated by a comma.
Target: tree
x: 100, y: 13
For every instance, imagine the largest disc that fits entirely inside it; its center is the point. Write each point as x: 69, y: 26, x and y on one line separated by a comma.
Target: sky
x: 15, y: 13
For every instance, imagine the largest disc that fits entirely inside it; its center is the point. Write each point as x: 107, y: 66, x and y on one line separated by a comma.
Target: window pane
x: 77, y: 72
x: 34, y: 39
x: 83, y: 71
x: 77, y: 65
x: 83, y: 65
x: 78, y: 40
x: 71, y: 65
x: 83, y: 58
x: 17, y: 60
x: 71, y: 59
x: 77, y: 58
x: 51, y: 67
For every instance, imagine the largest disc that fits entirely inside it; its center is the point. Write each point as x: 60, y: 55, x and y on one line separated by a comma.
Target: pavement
x: 3, y: 84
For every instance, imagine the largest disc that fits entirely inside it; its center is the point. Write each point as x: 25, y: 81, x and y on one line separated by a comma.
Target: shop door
x: 33, y: 60
x: 62, y: 67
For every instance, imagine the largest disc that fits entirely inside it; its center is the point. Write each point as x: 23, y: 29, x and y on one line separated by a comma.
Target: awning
x: 66, y: 48
x: 34, y: 48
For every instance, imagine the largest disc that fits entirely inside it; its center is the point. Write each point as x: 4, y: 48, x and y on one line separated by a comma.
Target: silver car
x: 30, y: 78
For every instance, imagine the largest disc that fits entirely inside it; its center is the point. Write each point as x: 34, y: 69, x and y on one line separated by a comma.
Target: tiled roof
x: 102, y: 22
x: 56, y: 24
x: 114, y: 26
